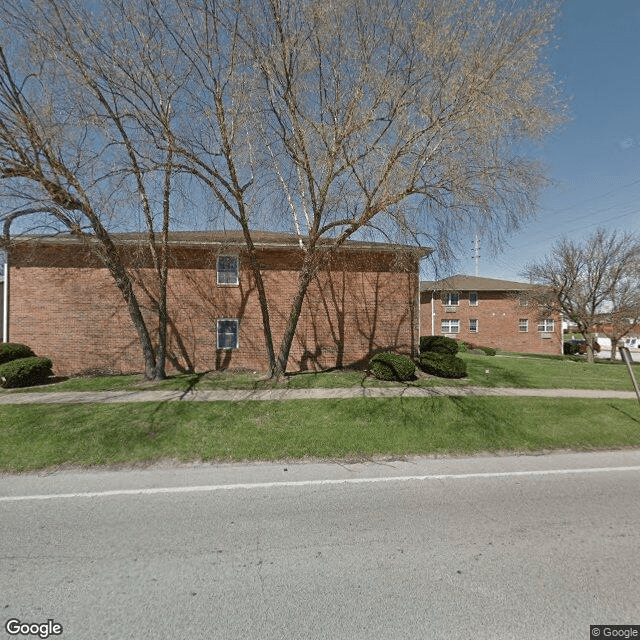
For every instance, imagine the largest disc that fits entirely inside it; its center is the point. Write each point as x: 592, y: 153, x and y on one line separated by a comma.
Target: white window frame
x: 523, y: 325
x: 473, y: 298
x: 451, y: 299
x: 230, y: 277
x: 452, y: 326
x: 235, y: 334
x: 473, y: 325
x: 544, y: 324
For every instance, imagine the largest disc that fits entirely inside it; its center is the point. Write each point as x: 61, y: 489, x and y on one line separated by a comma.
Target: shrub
x: 25, y: 372
x: 570, y: 348
x: 443, y: 365
x: 463, y: 347
x: 13, y: 351
x: 391, y: 366
x: 490, y: 351
x: 439, y: 344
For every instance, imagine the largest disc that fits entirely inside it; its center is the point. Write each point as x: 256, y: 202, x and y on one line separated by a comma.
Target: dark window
x: 227, y: 334
x: 227, y: 268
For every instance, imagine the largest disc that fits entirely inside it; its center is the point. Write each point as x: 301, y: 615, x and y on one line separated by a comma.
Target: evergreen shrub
x: 391, y: 366
x: 14, y: 351
x: 443, y: 365
x: 25, y: 372
x: 440, y: 344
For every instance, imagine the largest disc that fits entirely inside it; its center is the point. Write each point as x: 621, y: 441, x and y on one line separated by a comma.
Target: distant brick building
x: 488, y: 312
x: 65, y: 305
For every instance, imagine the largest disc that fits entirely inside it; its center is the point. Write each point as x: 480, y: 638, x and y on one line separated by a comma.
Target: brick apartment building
x: 64, y: 304
x: 488, y: 312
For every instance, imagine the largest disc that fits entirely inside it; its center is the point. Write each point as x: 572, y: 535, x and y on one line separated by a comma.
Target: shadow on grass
x: 192, y: 382
x: 633, y: 418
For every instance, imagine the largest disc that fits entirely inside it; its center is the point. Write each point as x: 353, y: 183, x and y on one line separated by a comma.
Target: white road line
x: 311, y: 483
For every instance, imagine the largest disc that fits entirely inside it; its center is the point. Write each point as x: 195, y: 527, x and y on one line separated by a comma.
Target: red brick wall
x: 497, y: 313
x: 68, y: 308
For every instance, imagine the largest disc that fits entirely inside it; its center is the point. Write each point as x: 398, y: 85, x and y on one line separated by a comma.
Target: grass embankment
x: 39, y: 436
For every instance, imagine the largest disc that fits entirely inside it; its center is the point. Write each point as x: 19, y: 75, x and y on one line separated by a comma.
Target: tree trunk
x: 161, y: 353
x: 163, y: 274
x: 111, y: 259
x: 262, y: 297
x: 123, y: 282
x: 614, y: 348
x: 306, y: 275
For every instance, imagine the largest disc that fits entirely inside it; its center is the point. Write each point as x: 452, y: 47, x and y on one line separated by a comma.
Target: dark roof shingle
x: 462, y: 282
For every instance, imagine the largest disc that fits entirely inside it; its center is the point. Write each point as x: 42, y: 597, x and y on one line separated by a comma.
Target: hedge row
x: 468, y: 346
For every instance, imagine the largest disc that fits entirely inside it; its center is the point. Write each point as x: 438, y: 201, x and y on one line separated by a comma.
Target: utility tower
x: 476, y: 253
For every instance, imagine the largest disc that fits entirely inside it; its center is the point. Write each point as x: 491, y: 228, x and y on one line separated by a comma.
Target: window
x: 227, y: 268
x: 227, y: 334
x: 450, y: 326
x: 545, y: 325
x: 450, y: 299
x: 473, y: 298
x: 523, y: 325
x: 524, y: 300
x: 473, y: 325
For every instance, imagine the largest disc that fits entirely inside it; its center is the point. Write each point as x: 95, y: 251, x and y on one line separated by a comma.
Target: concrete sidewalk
x: 84, y: 397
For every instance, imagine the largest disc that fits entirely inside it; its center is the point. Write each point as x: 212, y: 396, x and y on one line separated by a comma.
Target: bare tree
x: 623, y: 311
x: 214, y: 135
x: 592, y: 282
x: 74, y: 151
x: 402, y: 119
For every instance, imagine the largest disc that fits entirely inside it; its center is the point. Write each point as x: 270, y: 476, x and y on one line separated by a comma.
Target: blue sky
x: 594, y: 160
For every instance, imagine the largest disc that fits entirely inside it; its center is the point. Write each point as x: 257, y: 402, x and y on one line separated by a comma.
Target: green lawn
x: 40, y: 436
x: 538, y: 372
x: 504, y: 370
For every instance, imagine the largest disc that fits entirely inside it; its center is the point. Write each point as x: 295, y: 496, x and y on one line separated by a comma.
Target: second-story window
x: 450, y: 299
x: 473, y: 298
x: 227, y: 268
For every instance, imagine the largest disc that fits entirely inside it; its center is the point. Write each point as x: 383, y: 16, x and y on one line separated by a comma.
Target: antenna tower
x: 476, y: 253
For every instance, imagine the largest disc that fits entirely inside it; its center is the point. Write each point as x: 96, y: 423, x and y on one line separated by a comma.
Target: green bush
x: 391, y: 366
x: 490, y: 351
x: 13, y: 351
x: 570, y: 348
x: 25, y: 372
x: 463, y: 347
x: 443, y: 365
x: 439, y: 344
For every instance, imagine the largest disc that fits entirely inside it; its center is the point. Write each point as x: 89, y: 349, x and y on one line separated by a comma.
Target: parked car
x: 576, y: 346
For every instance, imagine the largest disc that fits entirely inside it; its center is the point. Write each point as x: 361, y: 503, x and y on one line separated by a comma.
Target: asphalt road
x: 486, y: 547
